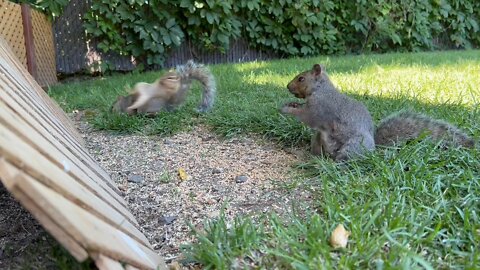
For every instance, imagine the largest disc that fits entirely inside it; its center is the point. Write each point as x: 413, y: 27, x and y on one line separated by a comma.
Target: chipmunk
x: 169, y: 91
x: 344, y: 127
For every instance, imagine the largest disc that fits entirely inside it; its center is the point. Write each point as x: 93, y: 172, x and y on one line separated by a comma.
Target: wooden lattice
x: 44, y: 49
x: 11, y: 29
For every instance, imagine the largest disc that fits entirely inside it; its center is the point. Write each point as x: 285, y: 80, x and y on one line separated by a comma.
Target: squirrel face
x: 301, y: 86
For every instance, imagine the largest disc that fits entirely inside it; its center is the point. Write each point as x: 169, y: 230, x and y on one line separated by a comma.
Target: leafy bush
x: 149, y: 29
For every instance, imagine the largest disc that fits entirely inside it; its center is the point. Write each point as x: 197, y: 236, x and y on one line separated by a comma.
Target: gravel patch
x: 240, y: 174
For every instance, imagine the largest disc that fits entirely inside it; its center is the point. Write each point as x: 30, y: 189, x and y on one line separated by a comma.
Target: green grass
x: 416, y: 206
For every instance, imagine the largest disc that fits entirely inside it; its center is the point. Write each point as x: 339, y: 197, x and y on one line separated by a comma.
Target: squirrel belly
x: 404, y: 126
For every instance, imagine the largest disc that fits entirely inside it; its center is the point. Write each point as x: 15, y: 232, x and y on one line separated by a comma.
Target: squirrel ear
x: 317, y: 69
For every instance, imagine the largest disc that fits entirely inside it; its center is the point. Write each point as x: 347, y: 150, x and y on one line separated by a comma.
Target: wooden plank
x: 94, y: 234
x: 29, y: 45
x: 52, y: 146
x: 84, y: 198
x: 105, y: 263
x: 39, y: 110
x: 40, y: 114
x: 8, y: 54
x: 20, y: 78
x: 24, y: 156
x: 38, y: 123
x: 77, y: 251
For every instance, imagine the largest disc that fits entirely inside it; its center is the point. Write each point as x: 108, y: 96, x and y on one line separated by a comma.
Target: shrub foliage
x: 147, y: 29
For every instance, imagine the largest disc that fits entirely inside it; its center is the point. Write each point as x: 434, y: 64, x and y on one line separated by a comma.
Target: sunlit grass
x: 412, y: 207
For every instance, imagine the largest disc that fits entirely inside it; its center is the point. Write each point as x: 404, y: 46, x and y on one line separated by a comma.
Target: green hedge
x: 147, y: 29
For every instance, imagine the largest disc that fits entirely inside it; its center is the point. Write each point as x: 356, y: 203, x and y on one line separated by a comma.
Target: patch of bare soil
x: 241, y: 175
x: 24, y: 244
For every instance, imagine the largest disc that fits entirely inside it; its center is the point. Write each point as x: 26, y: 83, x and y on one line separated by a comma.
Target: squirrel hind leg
x: 355, y: 146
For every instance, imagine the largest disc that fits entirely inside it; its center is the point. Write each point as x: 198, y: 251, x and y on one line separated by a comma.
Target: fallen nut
x: 339, y: 237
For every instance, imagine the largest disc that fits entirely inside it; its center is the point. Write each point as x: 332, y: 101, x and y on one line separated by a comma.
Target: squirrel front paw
x: 290, y: 107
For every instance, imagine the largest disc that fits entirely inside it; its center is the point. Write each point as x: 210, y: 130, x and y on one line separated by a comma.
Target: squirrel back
x: 404, y: 126
x: 193, y: 71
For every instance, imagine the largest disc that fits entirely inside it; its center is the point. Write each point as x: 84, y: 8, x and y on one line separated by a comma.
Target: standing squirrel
x: 169, y: 91
x: 343, y: 126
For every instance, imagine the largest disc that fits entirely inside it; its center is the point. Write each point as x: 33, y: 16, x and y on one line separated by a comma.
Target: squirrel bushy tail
x: 404, y: 126
x: 193, y: 71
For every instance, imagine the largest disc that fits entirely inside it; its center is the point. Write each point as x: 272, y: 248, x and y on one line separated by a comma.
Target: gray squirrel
x: 169, y: 91
x: 343, y: 127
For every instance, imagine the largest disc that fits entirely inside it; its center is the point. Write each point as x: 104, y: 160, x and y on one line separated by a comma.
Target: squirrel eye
x: 301, y: 79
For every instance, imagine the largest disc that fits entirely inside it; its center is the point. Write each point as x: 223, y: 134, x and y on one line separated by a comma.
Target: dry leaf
x: 183, y: 174
x: 339, y: 237
x: 174, y: 266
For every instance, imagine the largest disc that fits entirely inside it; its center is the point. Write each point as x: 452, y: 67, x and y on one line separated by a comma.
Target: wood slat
x: 26, y: 78
x: 78, y: 169
x: 7, y: 177
x: 15, y: 64
x: 105, y: 263
x: 28, y: 159
x: 37, y: 110
x: 94, y: 234
x: 8, y: 95
x: 22, y: 77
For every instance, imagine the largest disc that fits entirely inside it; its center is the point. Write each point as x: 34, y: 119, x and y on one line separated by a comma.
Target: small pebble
x: 167, y: 220
x: 241, y: 179
x: 217, y: 170
x: 135, y: 178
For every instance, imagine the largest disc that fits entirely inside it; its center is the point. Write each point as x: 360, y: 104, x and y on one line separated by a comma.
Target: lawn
x: 415, y: 206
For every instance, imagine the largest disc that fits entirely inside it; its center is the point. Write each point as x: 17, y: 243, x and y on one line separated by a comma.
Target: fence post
x: 29, y: 43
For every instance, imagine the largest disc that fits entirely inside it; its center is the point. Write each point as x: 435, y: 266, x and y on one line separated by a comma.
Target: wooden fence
x: 29, y: 34
x: 46, y: 167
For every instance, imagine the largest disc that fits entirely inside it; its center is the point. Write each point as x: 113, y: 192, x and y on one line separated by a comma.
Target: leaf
x: 185, y: 3
x: 210, y: 18
x: 166, y: 39
x: 473, y: 23
x: 182, y: 174
x: 170, y: 23
x: 222, y: 38
x: 396, y: 38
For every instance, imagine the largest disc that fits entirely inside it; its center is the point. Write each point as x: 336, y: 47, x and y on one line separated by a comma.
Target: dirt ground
x: 241, y: 175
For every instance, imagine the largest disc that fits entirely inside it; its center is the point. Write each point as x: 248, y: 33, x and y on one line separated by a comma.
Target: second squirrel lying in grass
x: 344, y: 127
x: 169, y: 91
